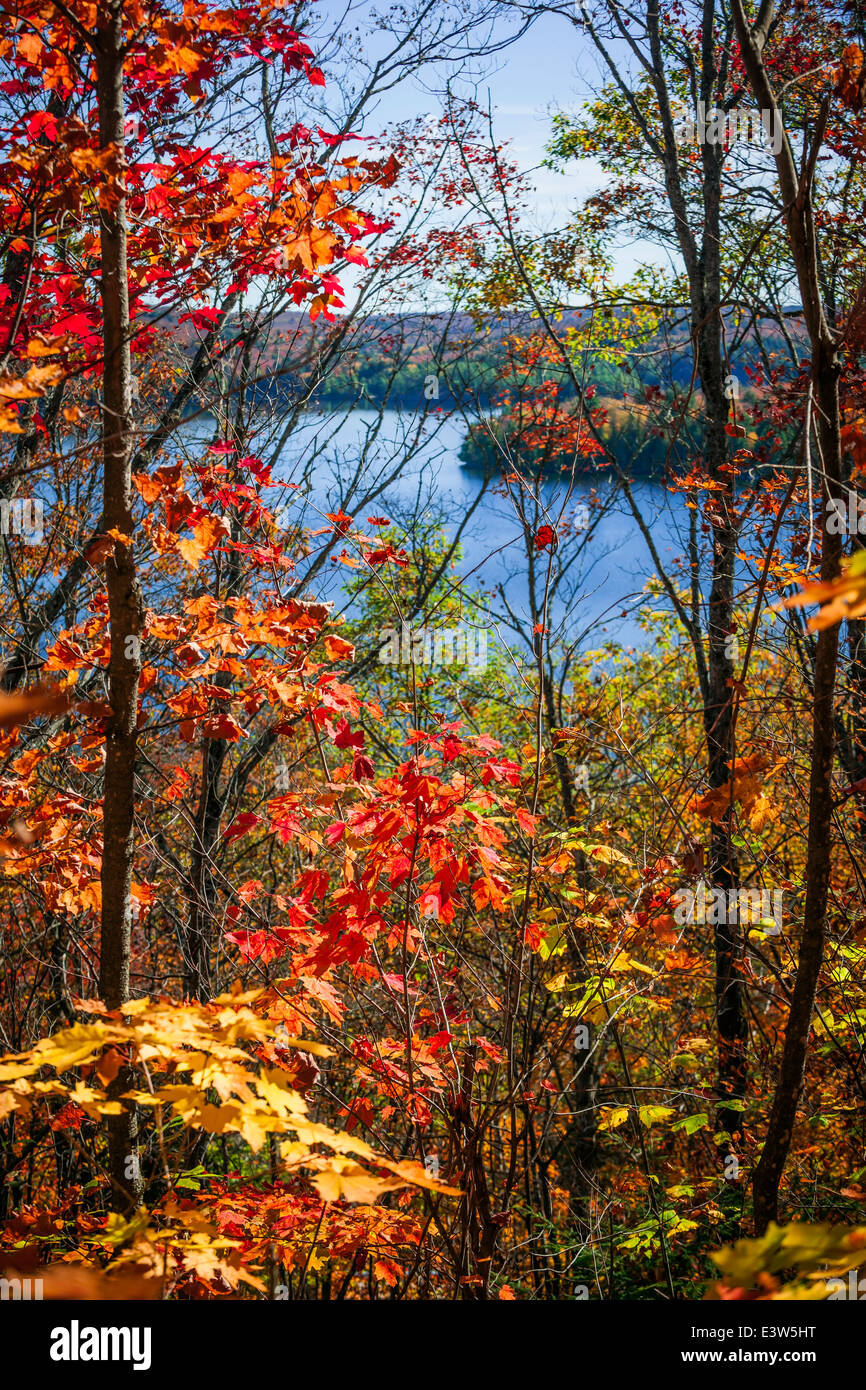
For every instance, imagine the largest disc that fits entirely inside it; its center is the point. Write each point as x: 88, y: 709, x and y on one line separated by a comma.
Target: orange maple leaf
x: 205, y: 535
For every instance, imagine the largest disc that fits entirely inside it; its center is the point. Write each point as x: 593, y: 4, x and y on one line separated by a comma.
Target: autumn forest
x: 432, y: 654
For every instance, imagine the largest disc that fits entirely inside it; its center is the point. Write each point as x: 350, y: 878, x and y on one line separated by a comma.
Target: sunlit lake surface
x: 337, y: 463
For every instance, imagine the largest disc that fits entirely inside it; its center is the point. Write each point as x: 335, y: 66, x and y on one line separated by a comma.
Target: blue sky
x: 551, y: 67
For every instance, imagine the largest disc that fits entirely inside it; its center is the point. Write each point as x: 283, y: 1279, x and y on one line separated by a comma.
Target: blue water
x: 413, y: 467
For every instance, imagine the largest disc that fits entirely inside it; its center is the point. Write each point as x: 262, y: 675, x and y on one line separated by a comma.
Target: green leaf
x: 654, y: 1114
x: 692, y: 1123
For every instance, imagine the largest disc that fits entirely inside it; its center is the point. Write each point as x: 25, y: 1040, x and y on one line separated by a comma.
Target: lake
x: 412, y: 466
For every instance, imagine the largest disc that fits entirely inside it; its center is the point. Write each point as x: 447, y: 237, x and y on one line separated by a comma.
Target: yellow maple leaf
x: 94, y: 1102
x: 341, y: 1179
x: 613, y: 1118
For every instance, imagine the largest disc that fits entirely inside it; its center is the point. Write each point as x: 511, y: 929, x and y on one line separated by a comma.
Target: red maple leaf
x: 344, y: 738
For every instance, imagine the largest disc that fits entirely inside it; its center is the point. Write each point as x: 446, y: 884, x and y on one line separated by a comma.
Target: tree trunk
x: 124, y: 597
x: 796, y: 191
x: 777, y: 1142
x: 201, y: 889
x: 702, y: 259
